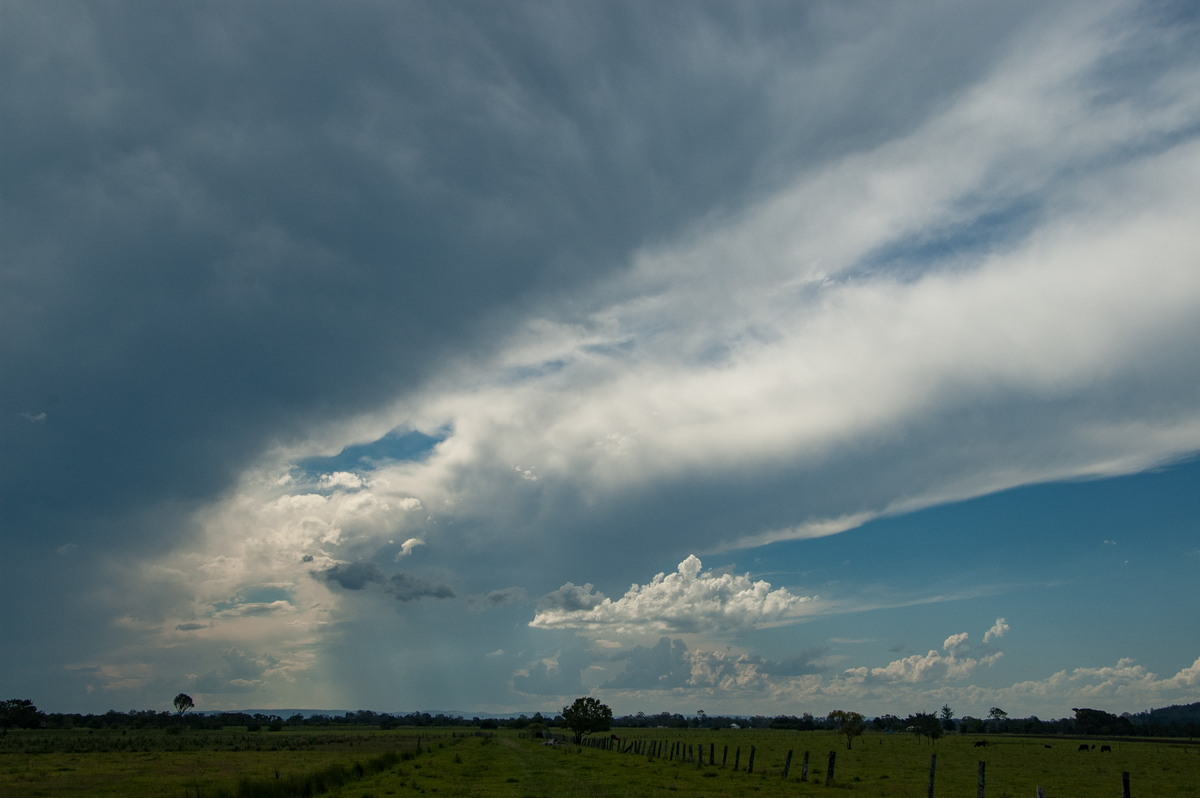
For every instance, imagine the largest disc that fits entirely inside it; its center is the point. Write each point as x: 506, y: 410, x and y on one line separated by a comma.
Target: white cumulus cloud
x: 406, y: 548
x: 954, y: 661
x: 999, y: 628
x: 688, y: 600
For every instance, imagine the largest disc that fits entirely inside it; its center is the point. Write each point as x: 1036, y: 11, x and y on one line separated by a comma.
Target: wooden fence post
x: 787, y: 764
x: 829, y: 768
x: 737, y: 757
x: 724, y: 756
x: 932, y: 768
x: 979, y: 792
x: 712, y: 753
x: 1125, y: 784
x: 750, y: 767
x: 1040, y: 792
x: 804, y: 768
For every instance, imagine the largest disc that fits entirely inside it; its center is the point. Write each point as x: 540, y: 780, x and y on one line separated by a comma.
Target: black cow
x: 980, y: 743
x: 1083, y: 747
x: 1104, y: 748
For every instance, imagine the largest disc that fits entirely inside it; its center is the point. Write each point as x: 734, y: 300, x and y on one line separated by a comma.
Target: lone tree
x: 924, y: 724
x: 587, y: 715
x: 19, y: 712
x: 850, y: 724
x: 183, y: 702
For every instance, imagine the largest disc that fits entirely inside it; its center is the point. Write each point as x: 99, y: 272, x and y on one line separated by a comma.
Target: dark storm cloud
x: 239, y: 672
x: 661, y: 666
x: 501, y: 598
x: 400, y: 586
x: 355, y: 575
x: 804, y: 663
x: 557, y: 675
x: 571, y: 598
x: 224, y: 222
x: 405, y: 587
x: 226, y: 226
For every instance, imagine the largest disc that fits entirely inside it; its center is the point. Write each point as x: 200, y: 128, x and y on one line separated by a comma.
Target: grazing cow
x: 1104, y: 748
x: 980, y: 743
x: 1083, y: 747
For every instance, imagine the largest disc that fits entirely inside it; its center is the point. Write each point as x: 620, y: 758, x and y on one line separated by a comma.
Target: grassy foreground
x: 371, y: 763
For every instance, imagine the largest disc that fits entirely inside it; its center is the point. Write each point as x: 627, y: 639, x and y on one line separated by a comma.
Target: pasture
x: 368, y: 763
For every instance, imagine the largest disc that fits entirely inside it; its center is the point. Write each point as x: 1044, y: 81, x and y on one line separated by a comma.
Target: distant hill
x: 1177, y: 713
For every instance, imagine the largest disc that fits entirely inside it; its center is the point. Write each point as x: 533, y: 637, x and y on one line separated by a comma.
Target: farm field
x: 365, y: 763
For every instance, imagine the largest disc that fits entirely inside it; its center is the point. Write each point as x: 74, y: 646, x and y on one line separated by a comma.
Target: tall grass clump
x: 317, y: 782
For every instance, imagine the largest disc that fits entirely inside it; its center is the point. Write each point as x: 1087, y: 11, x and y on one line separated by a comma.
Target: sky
x: 753, y: 358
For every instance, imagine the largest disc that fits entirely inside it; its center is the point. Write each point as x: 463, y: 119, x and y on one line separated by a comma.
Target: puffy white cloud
x: 1188, y: 677
x: 955, y: 643
x: 954, y: 661
x: 406, y: 548
x: 999, y: 629
x: 1113, y: 687
x: 342, y: 479
x: 688, y: 600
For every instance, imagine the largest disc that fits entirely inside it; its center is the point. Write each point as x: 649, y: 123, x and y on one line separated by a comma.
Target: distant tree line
x: 1173, y: 721
x: 150, y: 719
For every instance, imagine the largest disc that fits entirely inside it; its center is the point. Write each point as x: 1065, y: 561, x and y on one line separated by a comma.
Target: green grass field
x: 363, y: 763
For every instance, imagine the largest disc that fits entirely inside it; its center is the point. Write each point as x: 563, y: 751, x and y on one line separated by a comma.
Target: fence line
x: 679, y: 750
